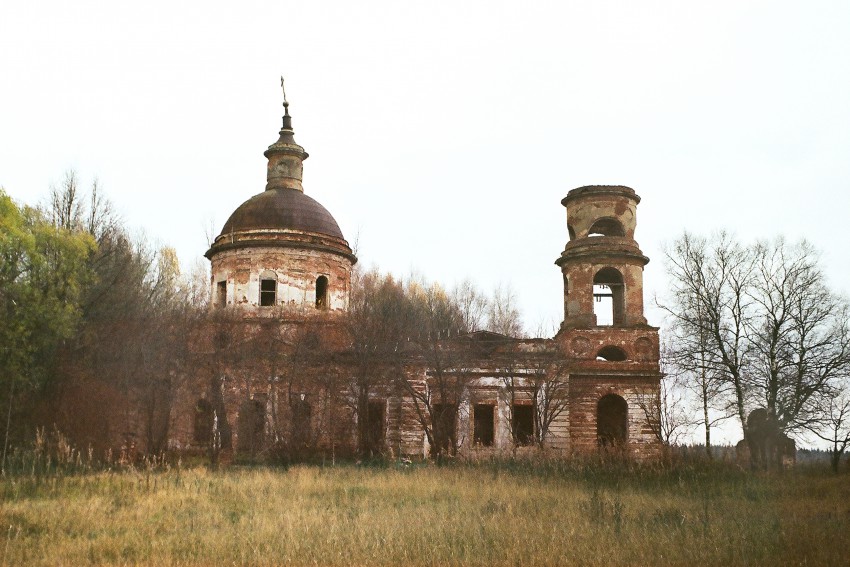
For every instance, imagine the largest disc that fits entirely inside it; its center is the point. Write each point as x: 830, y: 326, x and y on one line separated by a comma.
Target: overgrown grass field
x: 497, y: 513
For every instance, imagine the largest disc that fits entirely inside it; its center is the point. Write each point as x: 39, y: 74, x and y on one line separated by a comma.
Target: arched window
x: 268, y: 289
x: 612, y: 421
x: 302, y: 428
x: 607, y: 226
x: 252, y: 422
x: 609, y: 293
x: 203, y: 426
x: 611, y: 354
x: 322, y: 292
x: 373, y: 427
x: 571, y: 232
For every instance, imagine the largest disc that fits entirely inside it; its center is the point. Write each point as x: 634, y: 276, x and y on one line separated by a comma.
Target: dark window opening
x: 268, y: 292
x: 609, y: 295
x: 606, y: 227
x: 523, y: 424
x: 484, y: 424
x: 374, y: 427
x: 321, y: 292
x: 612, y: 420
x: 571, y: 232
x: 203, y: 426
x: 221, y: 294
x: 445, y: 426
x: 611, y: 354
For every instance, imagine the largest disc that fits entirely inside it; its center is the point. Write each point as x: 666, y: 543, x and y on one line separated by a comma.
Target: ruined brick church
x: 282, y: 373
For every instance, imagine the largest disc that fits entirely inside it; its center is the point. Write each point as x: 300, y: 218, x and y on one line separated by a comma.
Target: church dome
x: 282, y: 209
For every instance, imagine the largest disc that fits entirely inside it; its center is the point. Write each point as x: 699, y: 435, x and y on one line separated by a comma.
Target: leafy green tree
x: 43, y: 272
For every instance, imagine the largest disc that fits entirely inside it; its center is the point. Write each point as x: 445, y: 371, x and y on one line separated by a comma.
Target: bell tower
x: 613, y: 352
x: 602, y: 262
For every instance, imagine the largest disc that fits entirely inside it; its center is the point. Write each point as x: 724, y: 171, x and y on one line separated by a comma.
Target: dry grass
x: 486, y: 514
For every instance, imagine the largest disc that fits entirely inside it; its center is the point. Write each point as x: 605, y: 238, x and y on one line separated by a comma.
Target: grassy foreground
x: 486, y: 514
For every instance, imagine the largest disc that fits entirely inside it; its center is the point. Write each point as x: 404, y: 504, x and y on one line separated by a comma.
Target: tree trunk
x: 8, y: 425
x: 707, y: 428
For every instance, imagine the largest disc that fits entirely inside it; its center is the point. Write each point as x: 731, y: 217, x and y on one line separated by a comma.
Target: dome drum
x: 260, y: 277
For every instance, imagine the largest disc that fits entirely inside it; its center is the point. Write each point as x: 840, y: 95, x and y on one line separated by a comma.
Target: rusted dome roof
x: 282, y: 209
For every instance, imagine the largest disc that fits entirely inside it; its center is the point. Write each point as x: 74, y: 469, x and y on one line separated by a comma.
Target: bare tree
x: 535, y: 385
x: 548, y: 377
x: 196, y: 285
x: 666, y: 413
x: 713, y: 397
x: 514, y: 386
x: 436, y: 399
x: 305, y: 388
x: 760, y: 323
x: 223, y: 348
x: 473, y: 305
x: 799, y: 334
x: 379, y: 321
x: 710, y: 310
x: 835, y: 426
x: 503, y: 315
x: 66, y: 203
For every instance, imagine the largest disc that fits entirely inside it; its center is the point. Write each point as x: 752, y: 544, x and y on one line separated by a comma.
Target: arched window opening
x: 322, y: 292
x: 252, y: 425
x: 373, y: 427
x: 571, y: 231
x: 203, y: 426
x: 268, y: 289
x: 611, y: 354
x: 302, y: 427
x: 607, y: 226
x: 612, y: 421
x: 609, y: 295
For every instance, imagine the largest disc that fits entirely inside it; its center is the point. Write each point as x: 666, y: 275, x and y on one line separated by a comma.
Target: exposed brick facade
x: 278, y: 372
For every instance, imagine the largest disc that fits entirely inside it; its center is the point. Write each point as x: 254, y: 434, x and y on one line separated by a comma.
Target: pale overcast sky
x: 444, y: 134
